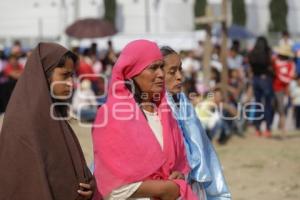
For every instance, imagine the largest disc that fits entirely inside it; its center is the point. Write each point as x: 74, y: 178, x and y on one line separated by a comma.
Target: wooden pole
x: 207, y: 48
x: 224, y: 51
x: 208, y: 20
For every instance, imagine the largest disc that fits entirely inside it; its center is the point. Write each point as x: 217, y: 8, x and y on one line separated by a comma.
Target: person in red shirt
x: 13, y: 69
x: 284, y: 70
x: 85, y: 70
x: 11, y: 73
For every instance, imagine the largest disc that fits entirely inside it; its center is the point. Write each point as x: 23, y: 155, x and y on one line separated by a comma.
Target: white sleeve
x: 123, y: 192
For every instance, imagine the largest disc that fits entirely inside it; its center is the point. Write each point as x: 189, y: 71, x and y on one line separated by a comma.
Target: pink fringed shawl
x: 125, y: 148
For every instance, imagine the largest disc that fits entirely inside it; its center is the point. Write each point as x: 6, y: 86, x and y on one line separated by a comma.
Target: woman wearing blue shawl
x: 206, y: 172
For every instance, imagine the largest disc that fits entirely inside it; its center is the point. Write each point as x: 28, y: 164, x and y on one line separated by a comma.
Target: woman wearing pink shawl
x: 138, y: 147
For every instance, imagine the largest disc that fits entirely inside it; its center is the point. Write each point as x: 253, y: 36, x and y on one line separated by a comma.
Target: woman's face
x: 151, y: 80
x: 173, y: 73
x: 234, y: 74
x: 61, y: 80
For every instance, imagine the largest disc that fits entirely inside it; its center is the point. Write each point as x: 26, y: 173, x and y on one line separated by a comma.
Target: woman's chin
x: 158, y: 89
x: 64, y: 97
x: 175, y: 91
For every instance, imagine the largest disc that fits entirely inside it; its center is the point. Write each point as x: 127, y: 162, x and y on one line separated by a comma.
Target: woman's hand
x: 87, y: 189
x: 176, y: 175
x: 158, y: 189
x: 170, y: 190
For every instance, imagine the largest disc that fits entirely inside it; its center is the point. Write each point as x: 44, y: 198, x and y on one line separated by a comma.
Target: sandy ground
x: 255, y: 168
x: 262, y: 169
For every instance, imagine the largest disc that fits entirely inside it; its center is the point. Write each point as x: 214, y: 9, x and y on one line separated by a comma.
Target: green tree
x: 279, y: 11
x: 238, y: 12
x: 199, y: 11
x: 110, y: 10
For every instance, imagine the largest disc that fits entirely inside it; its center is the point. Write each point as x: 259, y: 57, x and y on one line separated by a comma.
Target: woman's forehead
x: 69, y: 64
x: 65, y: 68
x: 157, y: 62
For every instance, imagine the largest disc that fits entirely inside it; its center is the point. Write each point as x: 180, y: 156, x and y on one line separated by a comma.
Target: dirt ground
x: 255, y: 168
x: 262, y: 169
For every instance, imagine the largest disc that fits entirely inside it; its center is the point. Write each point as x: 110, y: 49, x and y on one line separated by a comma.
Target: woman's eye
x: 172, y: 72
x: 67, y: 75
x: 154, y: 67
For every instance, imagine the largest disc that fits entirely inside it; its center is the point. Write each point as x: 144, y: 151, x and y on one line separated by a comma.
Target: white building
x: 35, y: 19
x: 155, y: 16
x: 48, y: 18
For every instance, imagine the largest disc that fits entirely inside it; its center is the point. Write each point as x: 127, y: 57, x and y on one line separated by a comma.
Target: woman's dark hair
x: 166, y: 50
x: 68, y: 55
x: 262, y: 44
x: 260, y: 55
x: 137, y: 93
x: 62, y: 62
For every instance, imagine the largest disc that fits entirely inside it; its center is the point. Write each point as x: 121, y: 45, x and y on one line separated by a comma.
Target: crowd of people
x: 262, y: 84
x: 146, y: 102
x: 148, y: 142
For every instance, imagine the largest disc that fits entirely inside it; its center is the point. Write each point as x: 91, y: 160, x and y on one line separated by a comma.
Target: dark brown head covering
x: 40, y: 158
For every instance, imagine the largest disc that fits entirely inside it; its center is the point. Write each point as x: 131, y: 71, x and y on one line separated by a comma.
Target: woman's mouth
x: 159, y: 83
x: 178, y: 85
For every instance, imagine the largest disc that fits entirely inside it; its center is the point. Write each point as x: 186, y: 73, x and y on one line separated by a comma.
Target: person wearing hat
x: 284, y: 70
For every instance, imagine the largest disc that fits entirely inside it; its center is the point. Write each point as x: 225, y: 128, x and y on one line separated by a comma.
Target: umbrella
x: 296, y: 47
x: 237, y: 32
x: 91, y: 28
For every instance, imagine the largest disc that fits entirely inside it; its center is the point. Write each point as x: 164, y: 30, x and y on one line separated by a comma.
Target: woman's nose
x: 70, y: 82
x: 179, y: 75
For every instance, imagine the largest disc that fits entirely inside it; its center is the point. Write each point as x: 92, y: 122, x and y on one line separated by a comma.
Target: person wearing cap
x: 284, y: 70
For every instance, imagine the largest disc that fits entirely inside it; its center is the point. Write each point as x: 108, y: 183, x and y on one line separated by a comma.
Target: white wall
x: 49, y: 18
x: 258, y: 16
x: 46, y: 18
x: 163, y: 16
x: 294, y: 16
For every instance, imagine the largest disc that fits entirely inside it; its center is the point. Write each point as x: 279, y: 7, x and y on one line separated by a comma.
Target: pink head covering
x: 125, y: 148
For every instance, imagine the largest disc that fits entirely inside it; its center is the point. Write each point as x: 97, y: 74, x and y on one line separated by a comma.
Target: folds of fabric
x: 202, y: 158
x: 40, y: 158
x: 125, y: 148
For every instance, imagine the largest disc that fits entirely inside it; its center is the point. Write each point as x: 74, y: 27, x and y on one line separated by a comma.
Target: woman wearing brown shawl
x: 40, y: 157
